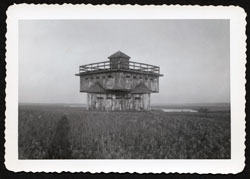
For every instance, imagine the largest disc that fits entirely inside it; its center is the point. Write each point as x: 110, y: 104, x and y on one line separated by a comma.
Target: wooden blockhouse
x: 119, y: 84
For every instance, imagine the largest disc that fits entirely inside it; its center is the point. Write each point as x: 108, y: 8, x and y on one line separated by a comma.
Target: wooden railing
x: 107, y: 65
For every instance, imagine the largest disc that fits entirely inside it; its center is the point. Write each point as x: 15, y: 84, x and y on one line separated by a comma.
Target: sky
x: 193, y: 55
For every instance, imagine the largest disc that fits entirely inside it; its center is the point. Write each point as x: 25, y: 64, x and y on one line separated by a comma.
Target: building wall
x: 118, y: 102
x: 119, y: 80
x: 119, y: 63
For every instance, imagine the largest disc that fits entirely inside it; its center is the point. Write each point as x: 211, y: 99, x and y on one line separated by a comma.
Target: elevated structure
x: 119, y: 84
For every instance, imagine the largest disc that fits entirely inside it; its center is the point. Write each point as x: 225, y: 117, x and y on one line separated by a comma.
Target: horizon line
x: 151, y: 103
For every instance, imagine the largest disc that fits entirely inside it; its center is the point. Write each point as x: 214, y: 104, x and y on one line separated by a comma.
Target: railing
x: 107, y: 65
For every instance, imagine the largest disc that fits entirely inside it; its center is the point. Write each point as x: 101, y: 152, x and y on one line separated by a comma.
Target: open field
x: 57, y: 131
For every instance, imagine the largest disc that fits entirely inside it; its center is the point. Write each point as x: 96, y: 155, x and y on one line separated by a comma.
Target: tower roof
x: 141, y: 88
x: 96, y: 88
x: 119, y: 54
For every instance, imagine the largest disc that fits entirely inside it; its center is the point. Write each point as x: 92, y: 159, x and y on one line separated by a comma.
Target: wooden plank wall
x: 114, y: 102
x: 119, y: 80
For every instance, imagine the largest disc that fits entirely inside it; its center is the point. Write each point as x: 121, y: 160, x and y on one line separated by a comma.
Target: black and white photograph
x: 144, y: 89
x: 124, y: 89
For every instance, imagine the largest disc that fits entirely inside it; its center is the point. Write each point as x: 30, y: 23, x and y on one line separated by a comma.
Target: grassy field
x: 57, y: 131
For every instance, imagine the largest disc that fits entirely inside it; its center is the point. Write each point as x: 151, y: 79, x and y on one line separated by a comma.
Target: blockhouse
x: 119, y: 84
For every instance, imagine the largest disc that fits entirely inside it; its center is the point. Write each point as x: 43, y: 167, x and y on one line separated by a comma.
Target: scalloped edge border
x: 115, y: 5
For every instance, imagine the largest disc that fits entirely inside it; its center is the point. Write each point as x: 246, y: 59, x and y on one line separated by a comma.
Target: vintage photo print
x: 125, y: 88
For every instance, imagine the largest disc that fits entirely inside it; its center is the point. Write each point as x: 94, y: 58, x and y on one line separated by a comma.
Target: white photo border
x: 235, y: 14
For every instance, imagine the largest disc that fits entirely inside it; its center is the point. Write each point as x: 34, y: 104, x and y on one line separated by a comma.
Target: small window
x: 127, y: 76
x: 137, y: 98
x: 109, y: 97
x: 97, y: 77
x: 140, y: 77
x: 127, y: 97
x: 110, y: 76
x: 118, y: 97
x: 134, y: 77
x: 146, y: 78
x: 151, y: 79
x: 86, y: 78
x: 92, y: 78
x: 99, y: 97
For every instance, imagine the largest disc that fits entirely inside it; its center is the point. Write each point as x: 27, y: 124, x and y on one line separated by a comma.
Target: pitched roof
x: 96, y: 88
x: 141, y: 88
x: 119, y: 54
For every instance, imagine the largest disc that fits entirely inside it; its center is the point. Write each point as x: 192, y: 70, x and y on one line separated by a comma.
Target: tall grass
x: 44, y: 133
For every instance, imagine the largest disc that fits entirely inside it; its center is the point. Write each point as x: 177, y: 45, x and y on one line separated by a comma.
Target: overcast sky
x: 193, y: 55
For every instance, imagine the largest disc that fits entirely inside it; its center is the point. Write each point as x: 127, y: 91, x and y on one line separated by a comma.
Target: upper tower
x: 119, y: 60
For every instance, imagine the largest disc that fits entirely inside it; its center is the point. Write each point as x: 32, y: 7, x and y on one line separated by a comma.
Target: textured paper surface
x: 236, y: 15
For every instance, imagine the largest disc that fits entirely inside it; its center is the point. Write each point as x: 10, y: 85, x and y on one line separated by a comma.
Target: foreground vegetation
x: 64, y: 132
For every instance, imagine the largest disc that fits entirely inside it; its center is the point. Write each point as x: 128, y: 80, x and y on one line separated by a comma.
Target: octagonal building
x: 119, y: 84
